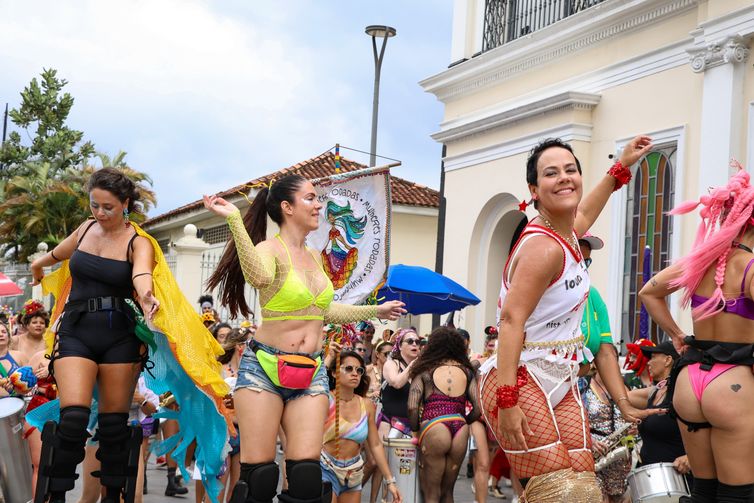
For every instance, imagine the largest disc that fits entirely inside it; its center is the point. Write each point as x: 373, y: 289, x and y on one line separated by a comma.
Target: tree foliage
x: 41, y: 116
x: 43, y: 194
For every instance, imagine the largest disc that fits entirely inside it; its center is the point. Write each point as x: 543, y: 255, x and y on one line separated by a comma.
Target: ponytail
x: 228, y: 275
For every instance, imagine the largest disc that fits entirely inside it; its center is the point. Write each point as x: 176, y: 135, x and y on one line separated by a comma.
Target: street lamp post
x: 384, y: 32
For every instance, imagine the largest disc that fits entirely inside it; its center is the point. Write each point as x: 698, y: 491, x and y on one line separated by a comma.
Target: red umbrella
x: 7, y: 287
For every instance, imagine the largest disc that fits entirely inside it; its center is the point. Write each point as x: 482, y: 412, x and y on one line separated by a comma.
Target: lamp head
x: 380, y: 31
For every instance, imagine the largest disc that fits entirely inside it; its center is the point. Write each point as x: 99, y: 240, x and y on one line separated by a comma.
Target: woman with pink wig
x: 712, y: 385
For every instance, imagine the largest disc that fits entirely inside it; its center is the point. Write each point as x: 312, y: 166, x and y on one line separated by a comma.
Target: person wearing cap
x: 660, y: 434
x: 595, y: 323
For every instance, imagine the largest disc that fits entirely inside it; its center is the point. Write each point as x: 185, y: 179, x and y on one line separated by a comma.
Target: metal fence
x: 507, y: 20
x: 171, y: 260
x: 210, y: 259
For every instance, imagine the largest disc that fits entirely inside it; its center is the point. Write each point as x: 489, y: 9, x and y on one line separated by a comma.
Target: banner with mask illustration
x: 353, y: 238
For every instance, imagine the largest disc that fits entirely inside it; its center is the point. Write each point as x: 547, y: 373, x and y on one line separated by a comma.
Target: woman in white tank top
x: 529, y: 393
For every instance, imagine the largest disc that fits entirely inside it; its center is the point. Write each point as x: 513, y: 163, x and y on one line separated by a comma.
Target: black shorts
x: 100, y: 336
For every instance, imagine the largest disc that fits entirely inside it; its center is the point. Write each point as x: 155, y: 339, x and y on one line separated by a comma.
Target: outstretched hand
x: 634, y: 415
x: 391, y: 310
x: 219, y: 206
x: 635, y: 149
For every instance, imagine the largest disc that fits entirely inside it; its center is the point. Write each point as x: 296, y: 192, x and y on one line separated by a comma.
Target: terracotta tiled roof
x: 404, y: 192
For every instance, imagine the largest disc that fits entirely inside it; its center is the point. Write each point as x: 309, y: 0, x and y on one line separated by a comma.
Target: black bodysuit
x: 96, y: 323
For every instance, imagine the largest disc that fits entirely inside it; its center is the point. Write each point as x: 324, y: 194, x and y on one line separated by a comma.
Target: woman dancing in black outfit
x: 96, y: 342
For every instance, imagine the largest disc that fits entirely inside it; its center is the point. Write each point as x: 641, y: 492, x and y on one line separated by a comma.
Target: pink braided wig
x: 726, y: 213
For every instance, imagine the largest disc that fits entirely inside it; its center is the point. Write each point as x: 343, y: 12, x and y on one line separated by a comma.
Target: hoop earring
x: 125, y: 214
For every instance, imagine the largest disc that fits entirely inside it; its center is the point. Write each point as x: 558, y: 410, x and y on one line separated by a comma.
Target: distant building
x: 594, y: 73
x: 193, y: 238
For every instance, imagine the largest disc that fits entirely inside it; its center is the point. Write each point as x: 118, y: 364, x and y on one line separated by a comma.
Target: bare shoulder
x: 540, y: 253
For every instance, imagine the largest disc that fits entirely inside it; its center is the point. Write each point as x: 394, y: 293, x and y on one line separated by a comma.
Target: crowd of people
x: 128, y: 367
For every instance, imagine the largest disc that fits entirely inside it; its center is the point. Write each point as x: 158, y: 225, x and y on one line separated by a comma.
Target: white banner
x: 353, y: 237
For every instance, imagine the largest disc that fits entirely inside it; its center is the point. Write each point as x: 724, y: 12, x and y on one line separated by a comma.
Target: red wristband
x: 621, y: 173
x: 507, y: 396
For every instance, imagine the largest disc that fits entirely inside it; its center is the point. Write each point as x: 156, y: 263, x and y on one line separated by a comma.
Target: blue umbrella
x: 646, y: 274
x: 424, y: 291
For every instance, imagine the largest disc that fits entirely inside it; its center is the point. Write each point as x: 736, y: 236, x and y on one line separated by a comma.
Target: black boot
x: 118, y: 453
x: 173, y: 488
x: 144, y: 489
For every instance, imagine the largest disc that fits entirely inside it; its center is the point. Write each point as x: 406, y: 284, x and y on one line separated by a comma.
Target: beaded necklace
x: 570, y: 240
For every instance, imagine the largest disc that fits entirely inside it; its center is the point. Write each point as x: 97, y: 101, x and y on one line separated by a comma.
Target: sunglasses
x: 347, y: 369
x: 361, y: 350
x: 412, y: 342
x: 385, y: 353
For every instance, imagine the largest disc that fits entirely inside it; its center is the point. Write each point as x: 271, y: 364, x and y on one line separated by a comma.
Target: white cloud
x: 200, y: 97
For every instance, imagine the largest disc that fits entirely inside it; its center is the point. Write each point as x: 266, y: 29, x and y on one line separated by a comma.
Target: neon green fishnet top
x: 286, y: 293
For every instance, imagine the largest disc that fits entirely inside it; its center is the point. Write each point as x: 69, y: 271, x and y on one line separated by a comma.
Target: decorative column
x: 722, y: 106
x: 188, y: 258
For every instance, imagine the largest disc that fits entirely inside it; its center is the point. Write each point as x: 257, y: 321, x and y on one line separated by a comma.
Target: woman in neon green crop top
x: 281, y: 380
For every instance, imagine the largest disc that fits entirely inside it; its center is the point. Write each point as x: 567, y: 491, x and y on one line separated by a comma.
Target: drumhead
x: 10, y: 406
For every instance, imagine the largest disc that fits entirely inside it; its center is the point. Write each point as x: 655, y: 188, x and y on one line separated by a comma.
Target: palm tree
x: 50, y: 202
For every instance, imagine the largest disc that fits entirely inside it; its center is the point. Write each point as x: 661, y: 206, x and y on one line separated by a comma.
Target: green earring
x: 125, y: 214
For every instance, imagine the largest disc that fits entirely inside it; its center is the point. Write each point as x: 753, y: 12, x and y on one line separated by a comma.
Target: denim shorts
x: 251, y: 375
x: 329, y: 476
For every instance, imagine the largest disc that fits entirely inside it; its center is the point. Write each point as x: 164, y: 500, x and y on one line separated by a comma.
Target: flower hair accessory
x: 32, y: 306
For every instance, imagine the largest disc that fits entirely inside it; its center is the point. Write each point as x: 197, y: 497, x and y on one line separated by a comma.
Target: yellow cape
x: 191, y: 343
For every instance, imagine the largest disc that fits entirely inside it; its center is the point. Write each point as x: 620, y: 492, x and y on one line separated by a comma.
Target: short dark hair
x: 118, y: 184
x: 536, y: 152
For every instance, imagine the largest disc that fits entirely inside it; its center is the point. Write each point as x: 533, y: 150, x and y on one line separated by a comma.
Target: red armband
x: 621, y: 173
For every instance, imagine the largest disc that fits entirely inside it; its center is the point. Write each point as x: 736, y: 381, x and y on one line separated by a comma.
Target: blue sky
x: 204, y: 95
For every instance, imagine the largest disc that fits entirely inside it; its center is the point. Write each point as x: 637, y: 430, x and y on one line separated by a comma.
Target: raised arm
x: 258, y: 266
x: 393, y: 375
x: 62, y: 251
x: 653, y: 295
x: 593, y: 203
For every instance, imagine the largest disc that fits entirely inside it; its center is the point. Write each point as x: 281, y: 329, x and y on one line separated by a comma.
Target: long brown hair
x: 444, y: 344
x: 228, y: 275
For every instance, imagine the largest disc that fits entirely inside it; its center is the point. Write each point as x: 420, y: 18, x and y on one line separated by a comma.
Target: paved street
x: 156, y: 480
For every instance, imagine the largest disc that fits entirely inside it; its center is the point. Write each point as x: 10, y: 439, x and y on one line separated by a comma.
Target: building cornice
x: 505, y: 115
x: 722, y: 40
x: 601, y: 22
x: 566, y: 132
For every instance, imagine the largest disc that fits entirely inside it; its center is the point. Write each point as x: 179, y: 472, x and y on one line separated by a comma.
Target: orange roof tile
x: 404, y: 192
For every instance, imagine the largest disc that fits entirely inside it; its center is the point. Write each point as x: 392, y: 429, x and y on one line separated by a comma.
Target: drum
x: 402, y: 458
x: 15, y: 459
x: 657, y: 483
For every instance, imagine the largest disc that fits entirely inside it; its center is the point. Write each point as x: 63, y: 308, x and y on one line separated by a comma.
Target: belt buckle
x: 106, y: 303
x: 91, y: 305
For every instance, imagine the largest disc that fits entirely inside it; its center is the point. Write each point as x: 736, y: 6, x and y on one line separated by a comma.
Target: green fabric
x: 3, y: 373
x: 143, y: 332
x: 595, y: 325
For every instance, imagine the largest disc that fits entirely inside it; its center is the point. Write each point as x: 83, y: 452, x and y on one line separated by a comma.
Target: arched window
x: 650, y: 197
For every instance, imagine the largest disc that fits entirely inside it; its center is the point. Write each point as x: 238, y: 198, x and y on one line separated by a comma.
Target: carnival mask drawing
x: 341, y: 254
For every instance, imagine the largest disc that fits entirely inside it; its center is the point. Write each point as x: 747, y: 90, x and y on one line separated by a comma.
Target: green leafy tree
x: 42, y: 116
x: 49, y: 202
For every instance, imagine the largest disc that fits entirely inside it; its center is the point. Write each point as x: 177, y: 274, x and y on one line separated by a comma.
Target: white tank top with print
x: 553, y: 331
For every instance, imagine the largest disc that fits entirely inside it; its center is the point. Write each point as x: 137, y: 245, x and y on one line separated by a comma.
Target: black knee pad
x: 257, y: 483
x: 704, y: 490
x: 304, y: 478
x: 118, y: 453
x: 62, y: 450
x: 735, y: 494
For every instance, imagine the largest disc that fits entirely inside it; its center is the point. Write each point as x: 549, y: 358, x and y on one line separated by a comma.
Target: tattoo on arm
x: 735, y: 387
x: 653, y: 282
